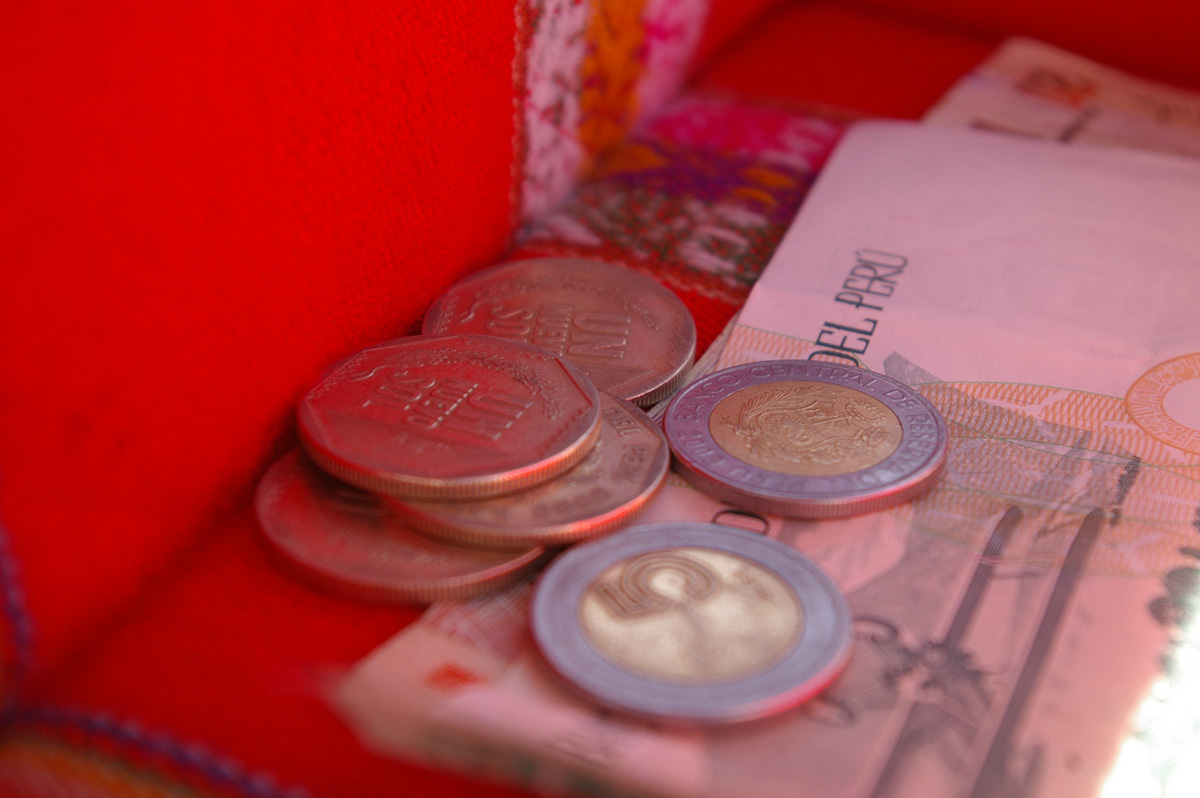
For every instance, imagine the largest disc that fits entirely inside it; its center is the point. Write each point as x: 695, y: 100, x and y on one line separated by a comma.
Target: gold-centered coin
x: 691, y: 623
x: 691, y: 615
x: 806, y: 428
x: 806, y: 439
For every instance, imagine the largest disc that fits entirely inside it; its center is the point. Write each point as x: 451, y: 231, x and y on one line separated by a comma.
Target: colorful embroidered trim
x: 585, y: 72
x: 699, y: 199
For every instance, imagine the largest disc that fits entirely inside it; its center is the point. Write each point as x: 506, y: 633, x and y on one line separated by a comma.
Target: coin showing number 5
x: 691, y: 623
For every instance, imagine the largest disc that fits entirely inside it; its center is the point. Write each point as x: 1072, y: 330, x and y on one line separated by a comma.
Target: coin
x: 633, y: 337
x: 343, y: 539
x: 443, y: 417
x: 806, y: 439
x: 691, y: 623
x: 612, y: 484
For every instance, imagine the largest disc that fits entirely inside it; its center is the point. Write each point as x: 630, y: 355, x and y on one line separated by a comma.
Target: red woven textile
x: 204, y: 206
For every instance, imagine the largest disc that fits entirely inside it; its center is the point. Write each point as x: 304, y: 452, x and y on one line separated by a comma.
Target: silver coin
x: 691, y: 623
x: 612, y: 484
x: 450, y: 417
x: 633, y: 337
x: 806, y: 439
x: 343, y: 539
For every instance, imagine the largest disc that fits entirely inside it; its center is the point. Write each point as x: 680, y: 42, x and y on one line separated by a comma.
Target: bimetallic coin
x: 806, y: 439
x: 691, y: 623
x: 343, y: 539
x: 450, y: 417
x: 633, y: 337
x: 612, y: 484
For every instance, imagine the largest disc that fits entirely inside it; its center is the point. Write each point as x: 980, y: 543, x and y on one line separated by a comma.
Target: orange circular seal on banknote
x: 1165, y: 402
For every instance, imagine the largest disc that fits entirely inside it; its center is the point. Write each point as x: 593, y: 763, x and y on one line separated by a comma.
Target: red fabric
x: 237, y: 654
x: 827, y: 54
x: 1156, y: 39
x: 202, y: 207
x: 206, y: 205
x: 726, y: 20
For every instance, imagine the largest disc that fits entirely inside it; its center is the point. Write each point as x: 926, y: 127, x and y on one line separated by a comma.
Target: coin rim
x: 275, y: 482
x: 468, y: 531
x: 651, y: 391
x: 801, y: 496
x: 398, y: 483
x: 815, y: 659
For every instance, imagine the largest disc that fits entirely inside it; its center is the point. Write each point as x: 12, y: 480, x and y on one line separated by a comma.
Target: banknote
x: 1025, y: 628
x: 1036, y: 89
x: 1040, y: 296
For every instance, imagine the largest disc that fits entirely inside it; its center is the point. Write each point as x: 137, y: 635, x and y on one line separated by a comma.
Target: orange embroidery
x: 610, y: 71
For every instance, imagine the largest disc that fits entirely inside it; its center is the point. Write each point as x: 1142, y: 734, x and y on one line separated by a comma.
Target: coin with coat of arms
x: 806, y: 439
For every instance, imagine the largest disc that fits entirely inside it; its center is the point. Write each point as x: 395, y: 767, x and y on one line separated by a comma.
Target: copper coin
x: 806, y: 439
x: 345, y: 540
x: 450, y: 417
x: 691, y: 623
x: 612, y: 484
x: 633, y: 337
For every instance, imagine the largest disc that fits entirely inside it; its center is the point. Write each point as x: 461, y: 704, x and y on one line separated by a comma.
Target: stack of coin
x: 444, y: 465
x: 456, y: 461
x: 344, y: 540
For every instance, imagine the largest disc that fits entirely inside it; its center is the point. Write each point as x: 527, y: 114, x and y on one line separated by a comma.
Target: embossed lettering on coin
x: 633, y: 337
x: 806, y: 428
x: 428, y: 404
x: 563, y: 329
x: 450, y: 417
x: 691, y: 615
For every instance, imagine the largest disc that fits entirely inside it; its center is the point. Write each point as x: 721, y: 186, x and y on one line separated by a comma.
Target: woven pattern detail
x: 699, y: 199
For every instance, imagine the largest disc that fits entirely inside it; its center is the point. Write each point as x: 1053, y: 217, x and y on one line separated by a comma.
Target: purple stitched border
x: 20, y: 626
x: 221, y: 770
